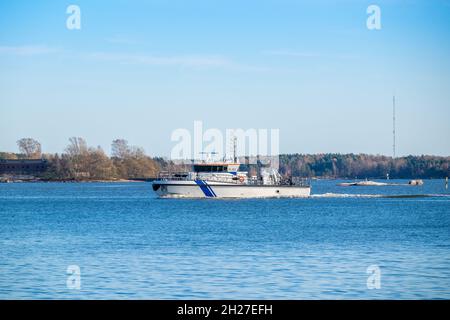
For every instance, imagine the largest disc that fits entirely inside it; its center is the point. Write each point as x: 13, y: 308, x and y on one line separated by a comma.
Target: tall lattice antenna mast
x: 234, y: 150
x: 393, y: 126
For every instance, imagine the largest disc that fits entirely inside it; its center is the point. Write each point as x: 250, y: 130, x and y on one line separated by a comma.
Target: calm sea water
x: 130, y: 245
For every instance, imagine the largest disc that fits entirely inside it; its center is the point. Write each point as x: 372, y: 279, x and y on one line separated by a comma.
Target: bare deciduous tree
x: 131, y: 161
x: 120, y: 149
x: 77, y: 146
x: 30, y: 147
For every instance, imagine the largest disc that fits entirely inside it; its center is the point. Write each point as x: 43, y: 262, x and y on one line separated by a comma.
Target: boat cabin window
x: 210, y: 168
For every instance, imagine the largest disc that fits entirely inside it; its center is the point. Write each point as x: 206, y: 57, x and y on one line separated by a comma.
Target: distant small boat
x: 366, y: 183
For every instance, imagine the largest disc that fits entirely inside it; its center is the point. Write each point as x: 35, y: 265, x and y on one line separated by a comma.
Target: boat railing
x: 300, y: 181
x: 184, y: 176
x: 165, y: 175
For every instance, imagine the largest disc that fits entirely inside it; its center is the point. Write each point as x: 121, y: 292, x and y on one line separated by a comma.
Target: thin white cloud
x: 198, y: 61
x: 125, y: 58
x: 189, y: 60
x: 301, y: 54
x: 291, y: 53
x: 28, y: 50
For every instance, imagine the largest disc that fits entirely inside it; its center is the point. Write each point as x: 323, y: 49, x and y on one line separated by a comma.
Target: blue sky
x: 140, y: 69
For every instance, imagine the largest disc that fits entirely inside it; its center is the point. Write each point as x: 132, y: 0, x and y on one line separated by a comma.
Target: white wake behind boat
x: 224, y: 180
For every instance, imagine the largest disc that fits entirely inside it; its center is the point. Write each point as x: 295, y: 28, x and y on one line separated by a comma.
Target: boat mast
x: 393, y: 126
x: 234, y: 150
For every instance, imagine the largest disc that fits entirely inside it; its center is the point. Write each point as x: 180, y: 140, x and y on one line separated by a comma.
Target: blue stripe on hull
x: 206, y: 190
x: 210, y: 189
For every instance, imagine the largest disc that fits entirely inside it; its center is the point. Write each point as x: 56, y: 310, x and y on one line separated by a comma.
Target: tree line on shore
x: 81, y: 162
x: 333, y: 165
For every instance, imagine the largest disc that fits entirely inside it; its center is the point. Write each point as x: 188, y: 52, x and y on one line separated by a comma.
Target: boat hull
x: 204, y: 189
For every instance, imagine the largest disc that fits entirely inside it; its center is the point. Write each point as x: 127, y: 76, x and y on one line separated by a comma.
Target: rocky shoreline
x: 35, y: 179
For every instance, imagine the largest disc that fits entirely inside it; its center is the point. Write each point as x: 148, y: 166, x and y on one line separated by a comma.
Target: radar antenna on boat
x: 208, y: 155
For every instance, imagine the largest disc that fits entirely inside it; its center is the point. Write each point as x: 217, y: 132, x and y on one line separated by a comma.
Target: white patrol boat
x: 224, y: 180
